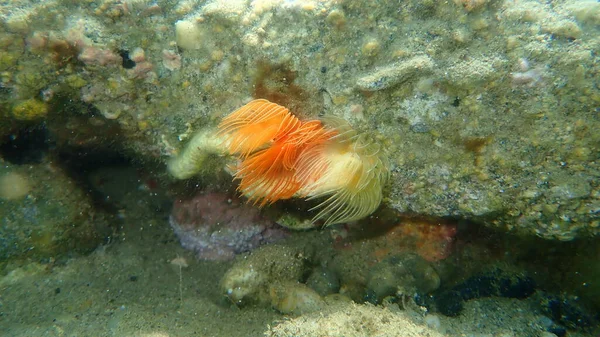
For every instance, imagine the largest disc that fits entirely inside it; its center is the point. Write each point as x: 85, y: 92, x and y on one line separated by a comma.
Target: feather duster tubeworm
x: 269, y: 140
x: 255, y: 124
x: 349, y: 171
x: 281, y: 157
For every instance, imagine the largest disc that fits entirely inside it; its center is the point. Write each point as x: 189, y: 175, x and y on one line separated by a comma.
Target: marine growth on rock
x: 217, y: 227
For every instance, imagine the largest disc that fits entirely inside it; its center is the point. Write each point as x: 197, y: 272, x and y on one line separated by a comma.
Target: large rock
x: 45, y: 215
x: 488, y: 108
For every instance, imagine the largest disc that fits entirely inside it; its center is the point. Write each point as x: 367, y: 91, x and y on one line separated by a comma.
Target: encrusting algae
x: 280, y: 157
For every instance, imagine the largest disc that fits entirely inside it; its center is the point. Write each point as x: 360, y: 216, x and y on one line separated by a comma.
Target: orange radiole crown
x: 281, y: 157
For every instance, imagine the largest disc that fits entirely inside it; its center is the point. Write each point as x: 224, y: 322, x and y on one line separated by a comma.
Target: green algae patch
x: 30, y: 109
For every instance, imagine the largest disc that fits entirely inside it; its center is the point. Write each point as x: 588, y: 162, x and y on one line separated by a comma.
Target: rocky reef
x: 481, y: 118
x: 487, y: 108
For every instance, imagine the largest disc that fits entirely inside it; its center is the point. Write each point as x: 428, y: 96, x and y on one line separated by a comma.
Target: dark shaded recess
x: 296, y: 208
x: 28, y: 145
x: 5, y: 91
x: 557, y: 267
x: 80, y: 163
x: 558, y: 330
x: 85, y: 141
x: 568, y: 311
x: 76, y: 138
x: 551, y: 267
x: 456, y: 102
x: 497, y: 282
x: 374, y: 225
x: 76, y: 124
x: 385, y: 219
x: 70, y: 140
x: 127, y: 62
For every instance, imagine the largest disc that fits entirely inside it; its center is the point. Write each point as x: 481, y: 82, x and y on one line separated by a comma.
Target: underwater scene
x: 289, y: 168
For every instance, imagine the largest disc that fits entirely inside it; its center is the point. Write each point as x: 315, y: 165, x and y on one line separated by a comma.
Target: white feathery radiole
x: 353, y: 175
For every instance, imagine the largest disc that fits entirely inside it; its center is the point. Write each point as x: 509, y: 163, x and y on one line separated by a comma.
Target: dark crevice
x: 127, y: 62
x: 29, y: 145
x: 76, y: 139
x: 80, y: 163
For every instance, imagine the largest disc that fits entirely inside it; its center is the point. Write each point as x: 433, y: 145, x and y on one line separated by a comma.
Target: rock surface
x: 250, y: 279
x: 350, y: 319
x: 217, y: 227
x: 45, y: 215
x: 488, y: 109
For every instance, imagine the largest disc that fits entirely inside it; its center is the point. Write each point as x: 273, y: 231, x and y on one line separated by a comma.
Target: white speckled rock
x: 250, y: 278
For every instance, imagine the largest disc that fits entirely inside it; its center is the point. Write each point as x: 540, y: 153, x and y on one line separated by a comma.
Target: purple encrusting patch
x: 217, y: 227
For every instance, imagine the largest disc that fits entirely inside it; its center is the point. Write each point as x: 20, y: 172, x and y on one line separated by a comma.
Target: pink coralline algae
x: 171, y: 60
x: 91, y: 55
x: 218, y: 227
